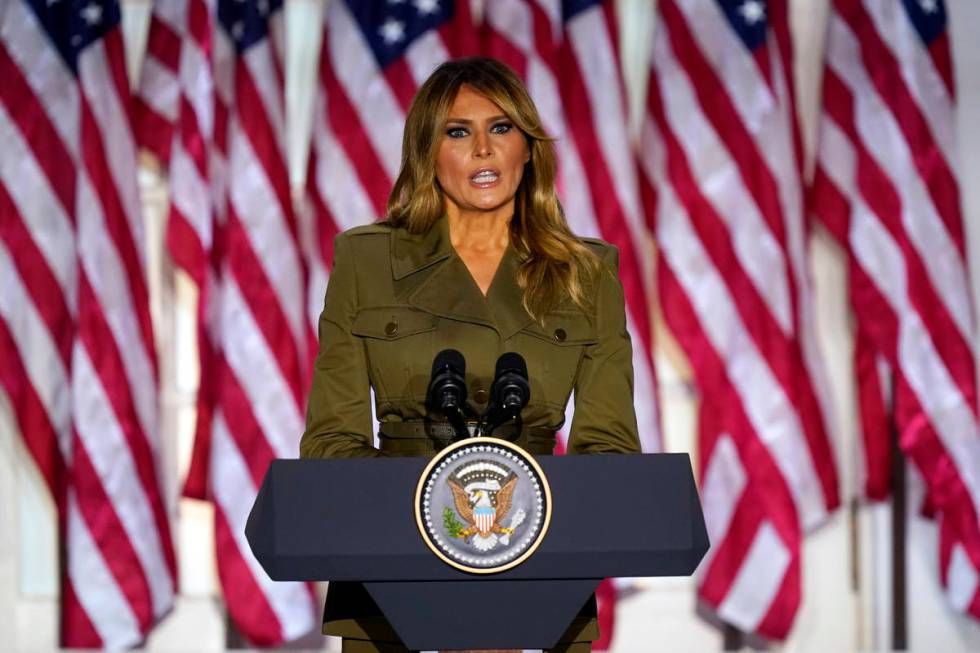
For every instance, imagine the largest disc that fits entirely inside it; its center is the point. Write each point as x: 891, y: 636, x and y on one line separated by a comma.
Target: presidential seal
x: 483, y: 505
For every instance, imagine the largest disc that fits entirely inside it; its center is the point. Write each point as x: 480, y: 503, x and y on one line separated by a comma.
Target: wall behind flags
x: 847, y: 587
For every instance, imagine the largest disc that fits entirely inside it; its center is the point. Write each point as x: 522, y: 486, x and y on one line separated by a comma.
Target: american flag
x: 232, y: 228
x: 79, y: 363
x: 886, y: 186
x: 174, y: 114
x: 374, y: 57
x: 721, y: 155
x: 567, y: 54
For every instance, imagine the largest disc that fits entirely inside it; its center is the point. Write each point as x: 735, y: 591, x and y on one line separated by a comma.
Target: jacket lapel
x: 505, y: 298
x: 430, y: 276
x: 411, y: 253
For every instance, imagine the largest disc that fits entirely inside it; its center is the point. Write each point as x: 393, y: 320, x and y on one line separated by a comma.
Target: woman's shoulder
x: 379, y: 227
x: 607, y: 252
x: 364, y: 245
x: 366, y: 239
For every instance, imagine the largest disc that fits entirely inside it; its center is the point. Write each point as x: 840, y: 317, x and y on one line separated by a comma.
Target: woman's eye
x: 501, y: 128
x: 455, y: 132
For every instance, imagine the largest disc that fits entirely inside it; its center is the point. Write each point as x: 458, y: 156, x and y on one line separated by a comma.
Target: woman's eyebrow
x: 467, y: 121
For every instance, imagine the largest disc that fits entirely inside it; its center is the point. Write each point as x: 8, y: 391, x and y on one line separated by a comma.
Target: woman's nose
x: 481, y: 145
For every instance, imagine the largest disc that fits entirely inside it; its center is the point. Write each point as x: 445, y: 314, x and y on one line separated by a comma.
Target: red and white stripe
x: 75, y: 334
x: 231, y: 227
x: 886, y: 186
x: 359, y: 115
x: 572, y: 71
x: 529, y: 36
x: 484, y: 522
x: 720, y: 153
x: 261, y: 338
x: 175, y: 120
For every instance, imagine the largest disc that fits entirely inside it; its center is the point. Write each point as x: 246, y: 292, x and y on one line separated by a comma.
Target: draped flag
x: 79, y: 363
x: 886, y: 187
x: 721, y: 156
x: 374, y: 56
x: 567, y: 54
x: 174, y: 113
x: 232, y: 228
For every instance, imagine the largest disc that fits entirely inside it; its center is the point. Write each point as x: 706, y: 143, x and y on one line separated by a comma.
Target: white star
x: 92, y: 13
x: 238, y: 30
x: 426, y: 6
x: 929, y: 6
x: 753, y: 11
x: 263, y: 7
x: 392, y: 31
x: 396, y: 2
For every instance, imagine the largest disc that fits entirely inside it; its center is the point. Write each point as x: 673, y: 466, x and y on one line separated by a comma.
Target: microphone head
x: 511, y: 362
x: 450, y: 358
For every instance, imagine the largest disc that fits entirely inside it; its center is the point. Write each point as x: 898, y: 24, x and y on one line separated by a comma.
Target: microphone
x: 509, y: 393
x: 447, y: 389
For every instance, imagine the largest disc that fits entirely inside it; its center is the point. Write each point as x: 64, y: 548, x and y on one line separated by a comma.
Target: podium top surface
x: 613, y: 515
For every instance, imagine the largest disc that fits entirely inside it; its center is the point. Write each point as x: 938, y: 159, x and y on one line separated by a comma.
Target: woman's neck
x: 480, y: 241
x: 479, y: 232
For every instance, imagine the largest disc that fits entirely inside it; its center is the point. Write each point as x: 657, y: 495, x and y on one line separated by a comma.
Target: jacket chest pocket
x: 553, y: 353
x: 400, y: 343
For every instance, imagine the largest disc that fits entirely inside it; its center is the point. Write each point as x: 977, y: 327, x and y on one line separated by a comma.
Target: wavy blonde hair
x: 554, y: 263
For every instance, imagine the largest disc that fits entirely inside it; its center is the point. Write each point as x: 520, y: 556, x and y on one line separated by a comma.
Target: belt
x: 429, y: 437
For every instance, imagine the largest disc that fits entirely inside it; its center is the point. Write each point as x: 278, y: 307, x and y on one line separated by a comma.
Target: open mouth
x: 485, y: 177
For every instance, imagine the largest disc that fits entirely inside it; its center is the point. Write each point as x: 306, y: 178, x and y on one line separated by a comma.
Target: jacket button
x: 560, y: 335
x: 481, y: 395
x: 391, y: 329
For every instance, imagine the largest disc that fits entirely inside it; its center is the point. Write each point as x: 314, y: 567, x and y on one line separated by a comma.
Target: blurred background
x: 846, y: 580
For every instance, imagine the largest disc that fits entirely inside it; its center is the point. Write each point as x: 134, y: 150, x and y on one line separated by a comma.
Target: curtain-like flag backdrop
x: 887, y: 187
x: 175, y: 111
x: 716, y: 180
x: 721, y: 155
x: 219, y: 96
x: 373, y: 58
x: 568, y: 55
x: 76, y: 345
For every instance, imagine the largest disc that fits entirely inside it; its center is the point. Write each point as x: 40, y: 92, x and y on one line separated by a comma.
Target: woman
x: 476, y: 256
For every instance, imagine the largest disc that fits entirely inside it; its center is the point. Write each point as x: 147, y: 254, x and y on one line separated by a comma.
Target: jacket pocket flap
x: 571, y: 328
x: 392, y: 322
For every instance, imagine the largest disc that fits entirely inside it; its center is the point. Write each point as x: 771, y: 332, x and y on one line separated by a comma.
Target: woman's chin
x: 485, y: 204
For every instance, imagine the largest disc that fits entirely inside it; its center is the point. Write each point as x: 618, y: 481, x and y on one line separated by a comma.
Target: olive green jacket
x: 396, y: 299
x: 393, y: 302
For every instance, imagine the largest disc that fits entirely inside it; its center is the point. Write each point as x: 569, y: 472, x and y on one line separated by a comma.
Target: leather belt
x: 537, y: 439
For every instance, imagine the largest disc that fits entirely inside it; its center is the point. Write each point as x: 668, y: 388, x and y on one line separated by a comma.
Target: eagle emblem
x: 483, y: 505
x: 483, y: 492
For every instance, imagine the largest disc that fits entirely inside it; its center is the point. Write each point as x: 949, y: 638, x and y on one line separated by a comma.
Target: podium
x: 354, y: 520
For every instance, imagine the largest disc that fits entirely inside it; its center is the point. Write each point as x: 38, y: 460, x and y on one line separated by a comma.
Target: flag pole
x: 734, y: 639
x: 899, y: 532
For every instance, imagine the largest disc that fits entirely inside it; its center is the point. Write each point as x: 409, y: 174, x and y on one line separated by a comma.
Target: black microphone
x: 510, y: 391
x: 447, y: 389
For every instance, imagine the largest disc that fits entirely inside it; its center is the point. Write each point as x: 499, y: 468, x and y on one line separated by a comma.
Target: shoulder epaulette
x: 373, y: 228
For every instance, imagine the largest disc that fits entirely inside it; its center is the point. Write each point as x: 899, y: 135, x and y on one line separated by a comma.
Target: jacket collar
x: 449, y: 290
x: 413, y: 252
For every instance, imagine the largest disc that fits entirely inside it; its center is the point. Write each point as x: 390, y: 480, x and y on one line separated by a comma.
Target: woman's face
x: 481, y: 156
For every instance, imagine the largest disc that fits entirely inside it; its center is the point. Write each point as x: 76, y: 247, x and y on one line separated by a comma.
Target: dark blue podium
x: 354, y: 520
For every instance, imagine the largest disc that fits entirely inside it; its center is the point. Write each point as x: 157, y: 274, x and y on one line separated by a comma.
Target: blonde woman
x: 475, y: 255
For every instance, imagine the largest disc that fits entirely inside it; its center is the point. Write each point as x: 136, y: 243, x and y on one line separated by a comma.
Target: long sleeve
x: 605, y: 420
x: 338, y: 417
